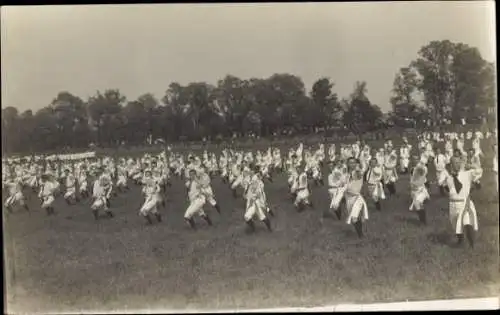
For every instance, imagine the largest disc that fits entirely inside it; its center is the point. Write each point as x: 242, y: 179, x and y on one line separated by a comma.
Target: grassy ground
x: 69, y: 262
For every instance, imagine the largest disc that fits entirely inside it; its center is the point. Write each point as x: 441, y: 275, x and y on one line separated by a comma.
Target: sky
x: 143, y: 48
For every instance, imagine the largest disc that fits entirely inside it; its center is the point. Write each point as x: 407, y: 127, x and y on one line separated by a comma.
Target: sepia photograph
x: 249, y: 157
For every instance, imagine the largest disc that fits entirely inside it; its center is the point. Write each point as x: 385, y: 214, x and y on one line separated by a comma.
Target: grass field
x: 69, y: 262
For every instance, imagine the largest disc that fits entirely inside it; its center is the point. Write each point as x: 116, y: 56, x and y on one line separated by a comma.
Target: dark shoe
x: 268, y: 224
x: 358, y: 226
x: 338, y: 213
x: 469, y: 234
x: 251, y: 225
x: 207, y: 219
x: 191, y: 223
x: 422, y: 216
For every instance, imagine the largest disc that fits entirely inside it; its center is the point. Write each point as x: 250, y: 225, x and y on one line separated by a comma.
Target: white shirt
x: 195, y: 190
x: 440, y: 162
x: 465, y: 177
x: 48, y: 189
x: 98, y: 190
x: 374, y: 175
x: 336, y: 179
x: 302, y: 181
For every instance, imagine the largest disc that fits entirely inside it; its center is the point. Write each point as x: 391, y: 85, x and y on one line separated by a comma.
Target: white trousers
x: 336, y: 195
x: 264, y: 171
x: 70, y: 192
x: 461, y: 215
x: 419, y: 196
x: 47, y: 201
x: 302, y: 196
x: 209, y: 195
x: 255, y: 208
x: 83, y: 186
x: 195, y: 207
x: 18, y: 197
x: 404, y: 162
x: 356, y: 208
x: 149, y: 206
x: 99, y: 203
x: 122, y: 181
x: 237, y: 182
x: 316, y: 174
x: 376, y: 191
x: 477, y: 173
x: 33, y: 182
x: 441, y: 177
x: 294, y: 187
x: 390, y: 176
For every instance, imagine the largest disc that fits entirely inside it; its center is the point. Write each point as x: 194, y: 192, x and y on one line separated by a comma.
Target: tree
x: 452, y: 77
x: 276, y: 100
x: 70, y: 112
x: 46, y: 132
x: 361, y: 116
x: 10, y: 129
x: 232, y: 102
x: 104, y: 110
x: 447, y: 81
x: 405, y: 108
x: 200, y: 109
x: 473, y: 78
x: 175, y: 101
x: 487, y: 99
x: 27, y: 130
x: 135, y: 123
x: 327, y: 106
x: 150, y: 105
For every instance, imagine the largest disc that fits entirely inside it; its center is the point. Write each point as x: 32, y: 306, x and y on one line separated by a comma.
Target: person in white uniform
x: 474, y: 164
x: 357, y: 210
x: 48, y: 189
x: 99, y: 196
x: 336, y: 188
x: 16, y: 196
x: 204, y: 180
x: 463, y: 216
x: 150, y: 191
x: 390, y: 175
x: 197, y: 200
x: 373, y: 179
x: 70, y: 181
x: 83, y: 181
x: 302, y: 191
x: 419, y: 193
x: 256, y: 201
x: 404, y: 154
x: 440, y: 162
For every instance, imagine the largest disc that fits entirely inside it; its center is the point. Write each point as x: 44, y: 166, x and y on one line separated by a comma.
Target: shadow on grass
x: 409, y: 220
x: 440, y: 238
x: 349, y: 232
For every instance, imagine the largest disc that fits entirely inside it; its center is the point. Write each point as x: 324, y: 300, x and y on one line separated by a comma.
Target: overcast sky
x: 143, y: 48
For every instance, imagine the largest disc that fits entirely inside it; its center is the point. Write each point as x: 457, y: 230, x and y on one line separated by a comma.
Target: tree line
x: 447, y: 82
